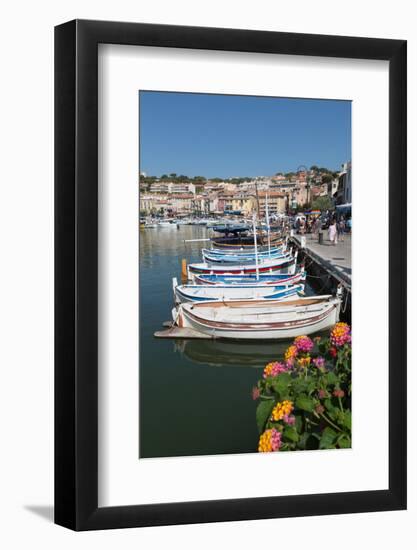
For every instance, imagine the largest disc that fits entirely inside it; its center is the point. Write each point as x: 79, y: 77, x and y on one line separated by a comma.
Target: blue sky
x: 225, y: 136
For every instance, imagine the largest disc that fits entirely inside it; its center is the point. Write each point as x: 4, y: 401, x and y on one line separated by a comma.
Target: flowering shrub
x: 305, y: 399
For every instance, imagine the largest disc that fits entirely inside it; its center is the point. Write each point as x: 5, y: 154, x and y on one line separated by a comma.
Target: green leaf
x: 299, y: 385
x: 302, y: 442
x: 331, y: 378
x: 347, y: 420
x: 291, y: 433
x: 344, y: 442
x: 298, y: 422
x: 331, y: 409
x: 281, y: 385
x: 305, y: 403
x: 327, y: 439
x: 263, y: 412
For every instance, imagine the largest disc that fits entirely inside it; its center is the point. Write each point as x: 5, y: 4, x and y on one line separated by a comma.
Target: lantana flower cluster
x: 304, y: 344
x: 340, y: 335
x: 290, y: 355
x: 281, y: 410
x: 274, y: 368
x: 299, y: 357
x: 270, y: 441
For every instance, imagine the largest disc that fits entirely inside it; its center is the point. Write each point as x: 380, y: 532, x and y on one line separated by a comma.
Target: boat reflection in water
x: 220, y: 353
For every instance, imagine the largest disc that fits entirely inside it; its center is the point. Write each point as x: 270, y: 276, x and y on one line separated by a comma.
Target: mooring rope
x: 344, y: 308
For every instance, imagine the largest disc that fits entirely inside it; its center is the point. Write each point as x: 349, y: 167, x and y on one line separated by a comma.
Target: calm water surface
x: 195, y: 395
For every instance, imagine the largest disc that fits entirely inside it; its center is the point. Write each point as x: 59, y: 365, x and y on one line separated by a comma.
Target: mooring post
x: 184, y: 274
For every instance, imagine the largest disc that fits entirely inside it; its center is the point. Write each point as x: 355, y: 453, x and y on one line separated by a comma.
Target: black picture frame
x: 76, y: 272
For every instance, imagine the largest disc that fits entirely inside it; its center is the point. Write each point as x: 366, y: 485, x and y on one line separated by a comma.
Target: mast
x: 267, y: 224
x: 255, y: 241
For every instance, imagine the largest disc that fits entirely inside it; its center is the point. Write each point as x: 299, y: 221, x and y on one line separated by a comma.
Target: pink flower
x: 270, y: 441
x: 289, y: 419
x: 338, y: 393
x: 275, y: 368
x: 256, y: 392
x: 304, y: 344
x: 275, y: 439
x: 319, y: 362
x: 340, y: 334
x: 322, y: 394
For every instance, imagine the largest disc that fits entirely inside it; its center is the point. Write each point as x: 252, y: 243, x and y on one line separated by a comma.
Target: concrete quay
x: 335, y: 259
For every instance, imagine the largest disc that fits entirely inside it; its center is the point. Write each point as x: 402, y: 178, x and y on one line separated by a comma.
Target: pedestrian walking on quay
x: 342, y: 229
x: 319, y: 228
x: 333, y: 232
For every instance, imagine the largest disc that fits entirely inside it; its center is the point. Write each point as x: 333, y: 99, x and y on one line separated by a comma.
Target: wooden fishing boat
x: 230, y: 228
x: 274, y: 279
x: 242, y: 258
x: 246, y: 243
x: 257, y: 320
x: 285, y: 265
x: 202, y: 293
x: 241, y: 252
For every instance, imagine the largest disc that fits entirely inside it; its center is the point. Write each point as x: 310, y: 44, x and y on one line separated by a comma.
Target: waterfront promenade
x: 337, y: 259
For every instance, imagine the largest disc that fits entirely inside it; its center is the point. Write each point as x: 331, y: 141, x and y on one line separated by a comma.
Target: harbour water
x: 195, y: 395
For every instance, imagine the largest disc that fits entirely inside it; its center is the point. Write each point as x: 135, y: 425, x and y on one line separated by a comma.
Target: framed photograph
x: 230, y: 253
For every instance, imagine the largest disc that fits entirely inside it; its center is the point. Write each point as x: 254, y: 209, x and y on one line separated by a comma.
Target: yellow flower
x: 269, y: 441
x: 340, y: 334
x: 282, y: 409
x: 291, y: 354
x: 304, y: 361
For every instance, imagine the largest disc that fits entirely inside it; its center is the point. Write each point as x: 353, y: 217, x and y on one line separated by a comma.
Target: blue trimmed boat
x: 243, y: 258
x: 273, y: 279
x: 285, y: 265
x: 210, y: 293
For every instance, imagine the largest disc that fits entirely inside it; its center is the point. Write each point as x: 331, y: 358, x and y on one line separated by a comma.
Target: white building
x: 344, y: 192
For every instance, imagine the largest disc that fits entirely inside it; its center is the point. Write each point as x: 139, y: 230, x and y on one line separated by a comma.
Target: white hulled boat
x: 200, y: 293
x: 257, y: 320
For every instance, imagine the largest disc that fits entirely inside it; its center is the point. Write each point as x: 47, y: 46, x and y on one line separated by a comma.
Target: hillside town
x: 173, y: 195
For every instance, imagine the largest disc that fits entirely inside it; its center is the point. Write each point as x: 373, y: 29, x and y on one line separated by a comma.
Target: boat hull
x: 244, y: 252
x: 274, y: 266
x: 246, y: 243
x: 291, y: 319
x: 251, y: 280
x: 200, y: 293
x: 215, y: 258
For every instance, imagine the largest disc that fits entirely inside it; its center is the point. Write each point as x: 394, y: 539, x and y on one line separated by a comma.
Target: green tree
x: 322, y: 203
